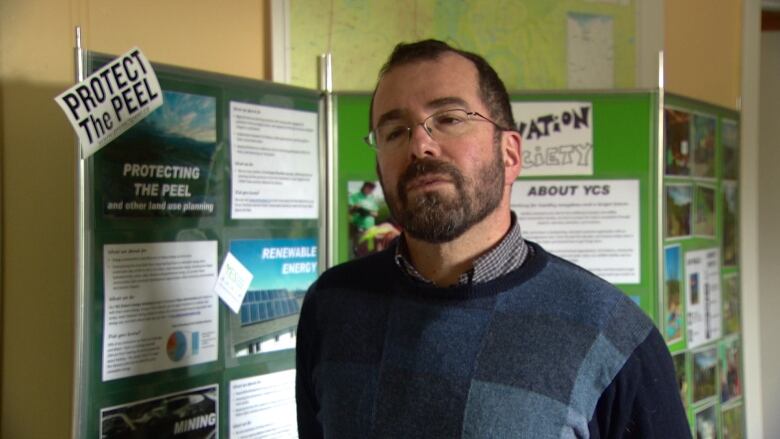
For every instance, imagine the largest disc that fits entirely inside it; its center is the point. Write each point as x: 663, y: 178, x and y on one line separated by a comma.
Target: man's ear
x: 511, y: 149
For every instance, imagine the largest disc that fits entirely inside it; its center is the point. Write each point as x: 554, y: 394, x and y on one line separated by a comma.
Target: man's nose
x: 421, y: 144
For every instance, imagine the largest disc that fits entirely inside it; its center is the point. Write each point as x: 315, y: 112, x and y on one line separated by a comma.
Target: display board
x: 700, y: 299
x: 227, y: 168
x: 643, y: 196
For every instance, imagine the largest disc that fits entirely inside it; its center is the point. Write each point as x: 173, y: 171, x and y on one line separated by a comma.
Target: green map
x: 528, y: 42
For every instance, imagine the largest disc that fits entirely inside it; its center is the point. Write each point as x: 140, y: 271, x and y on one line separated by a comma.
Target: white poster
x: 160, y: 310
x: 273, y: 157
x: 263, y: 406
x: 703, y: 301
x: 593, y: 223
x: 590, y: 51
x: 111, y: 100
x: 557, y: 137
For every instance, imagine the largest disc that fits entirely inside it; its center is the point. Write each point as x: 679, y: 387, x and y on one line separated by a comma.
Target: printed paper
x: 190, y: 414
x: 263, y: 406
x: 557, y: 137
x: 593, y: 223
x: 160, y: 310
x: 275, y: 172
x: 232, y: 282
x: 703, y: 299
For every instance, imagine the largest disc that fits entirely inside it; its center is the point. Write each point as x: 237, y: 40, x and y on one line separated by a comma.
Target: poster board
x: 163, y: 355
x: 700, y: 298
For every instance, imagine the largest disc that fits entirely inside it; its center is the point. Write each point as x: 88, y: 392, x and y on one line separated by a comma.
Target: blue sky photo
x: 186, y: 115
x: 680, y: 195
x: 672, y: 261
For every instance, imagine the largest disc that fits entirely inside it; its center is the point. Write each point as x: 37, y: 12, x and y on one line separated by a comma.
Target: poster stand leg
x: 79, y: 380
x: 330, y: 159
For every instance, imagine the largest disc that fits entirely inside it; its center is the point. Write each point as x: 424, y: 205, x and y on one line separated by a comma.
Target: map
x: 527, y: 42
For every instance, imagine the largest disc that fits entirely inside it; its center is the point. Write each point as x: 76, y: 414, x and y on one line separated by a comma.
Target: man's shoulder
x: 351, y: 292
x: 358, y: 273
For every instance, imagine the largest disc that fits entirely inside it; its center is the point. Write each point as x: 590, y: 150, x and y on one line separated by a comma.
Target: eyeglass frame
x: 429, y: 131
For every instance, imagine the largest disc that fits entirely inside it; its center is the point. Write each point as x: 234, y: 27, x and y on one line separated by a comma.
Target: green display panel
x: 161, y: 216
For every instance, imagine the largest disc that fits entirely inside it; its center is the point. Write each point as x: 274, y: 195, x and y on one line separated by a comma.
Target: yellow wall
x: 702, y: 49
x: 38, y: 162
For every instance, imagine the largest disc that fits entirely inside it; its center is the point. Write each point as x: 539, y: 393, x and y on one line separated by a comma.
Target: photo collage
x: 701, y: 297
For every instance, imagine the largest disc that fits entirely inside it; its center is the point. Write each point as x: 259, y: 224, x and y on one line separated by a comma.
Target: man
x: 463, y: 329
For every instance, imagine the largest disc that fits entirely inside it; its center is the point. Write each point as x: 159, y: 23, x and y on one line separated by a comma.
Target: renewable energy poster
x: 282, y: 271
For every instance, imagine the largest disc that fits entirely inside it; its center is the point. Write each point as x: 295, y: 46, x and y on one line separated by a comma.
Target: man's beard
x: 435, y: 217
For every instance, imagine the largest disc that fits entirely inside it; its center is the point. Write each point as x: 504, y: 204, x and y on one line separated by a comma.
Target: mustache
x: 423, y: 167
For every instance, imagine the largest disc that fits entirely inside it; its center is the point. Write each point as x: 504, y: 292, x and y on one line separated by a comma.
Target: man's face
x: 438, y: 190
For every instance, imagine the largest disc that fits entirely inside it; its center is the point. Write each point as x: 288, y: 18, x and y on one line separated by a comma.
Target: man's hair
x: 491, y: 89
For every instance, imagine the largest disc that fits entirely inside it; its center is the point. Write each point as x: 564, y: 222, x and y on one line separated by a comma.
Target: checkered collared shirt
x: 509, y: 254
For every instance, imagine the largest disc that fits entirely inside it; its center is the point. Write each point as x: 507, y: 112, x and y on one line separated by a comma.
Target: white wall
x: 769, y: 229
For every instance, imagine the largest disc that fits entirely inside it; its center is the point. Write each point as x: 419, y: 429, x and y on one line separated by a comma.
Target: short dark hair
x: 491, y: 88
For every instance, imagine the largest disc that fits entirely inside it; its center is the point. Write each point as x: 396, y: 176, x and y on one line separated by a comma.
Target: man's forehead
x: 449, y: 80
x: 431, y: 105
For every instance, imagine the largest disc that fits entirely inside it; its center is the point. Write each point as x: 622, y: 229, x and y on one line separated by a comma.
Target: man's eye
x: 394, y: 133
x: 448, y: 119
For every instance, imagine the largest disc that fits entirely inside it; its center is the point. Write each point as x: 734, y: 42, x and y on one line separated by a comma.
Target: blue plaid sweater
x: 545, y: 351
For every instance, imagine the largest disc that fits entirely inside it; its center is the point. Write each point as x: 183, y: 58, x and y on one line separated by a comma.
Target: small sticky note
x: 232, y: 283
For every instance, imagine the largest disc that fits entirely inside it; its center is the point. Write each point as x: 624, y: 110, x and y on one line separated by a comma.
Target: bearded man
x: 463, y: 328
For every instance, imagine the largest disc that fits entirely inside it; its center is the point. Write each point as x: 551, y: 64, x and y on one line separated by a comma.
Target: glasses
x: 440, y: 126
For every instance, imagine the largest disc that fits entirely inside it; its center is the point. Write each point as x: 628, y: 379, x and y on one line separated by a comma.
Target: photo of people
x: 703, y: 163
x: 729, y: 138
x: 371, y: 228
x: 679, y: 360
x: 704, y: 215
x: 678, y: 210
x: 729, y: 224
x: 706, y: 423
x: 672, y: 294
x: 733, y: 420
x: 731, y: 304
x: 705, y: 376
x: 730, y: 369
x: 678, y: 149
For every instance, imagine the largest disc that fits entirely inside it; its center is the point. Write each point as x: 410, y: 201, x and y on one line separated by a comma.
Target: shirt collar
x: 508, y: 255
